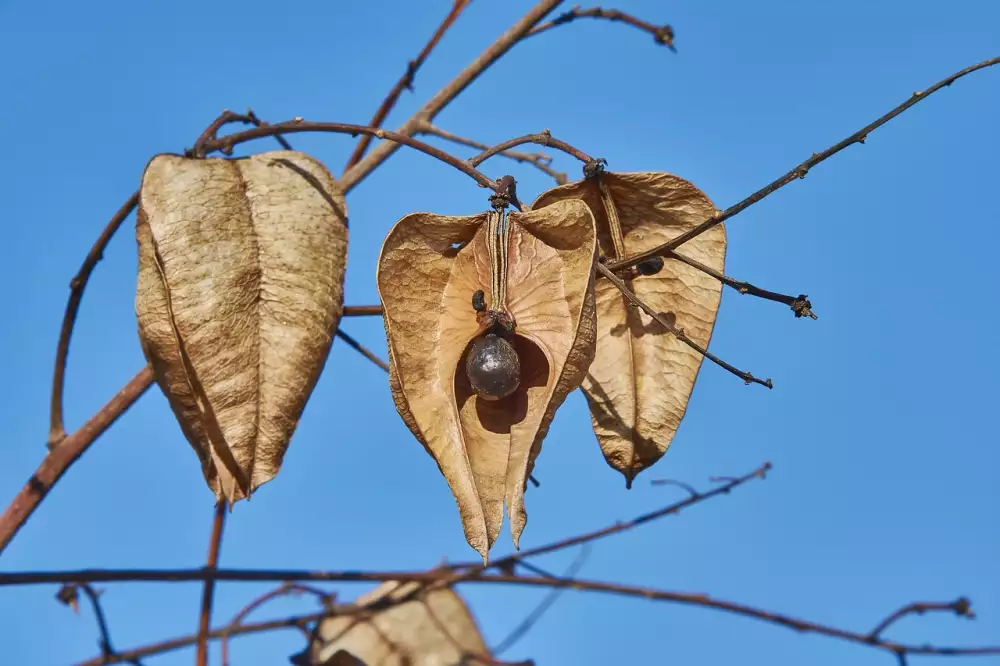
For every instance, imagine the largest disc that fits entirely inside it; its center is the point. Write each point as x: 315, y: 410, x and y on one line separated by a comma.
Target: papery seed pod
x: 536, y: 273
x: 240, y: 290
x: 435, y: 628
x: 639, y: 384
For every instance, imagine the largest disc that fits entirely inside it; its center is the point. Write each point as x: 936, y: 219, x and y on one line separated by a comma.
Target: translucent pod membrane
x: 493, y: 367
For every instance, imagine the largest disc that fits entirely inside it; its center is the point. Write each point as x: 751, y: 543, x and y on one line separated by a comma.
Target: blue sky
x: 880, y: 427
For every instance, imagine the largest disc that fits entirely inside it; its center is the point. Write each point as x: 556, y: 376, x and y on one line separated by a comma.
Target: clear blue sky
x: 881, y: 426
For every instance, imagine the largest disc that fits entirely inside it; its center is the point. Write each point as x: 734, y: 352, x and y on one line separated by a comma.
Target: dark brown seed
x: 650, y: 266
x: 493, y: 367
x: 479, y: 301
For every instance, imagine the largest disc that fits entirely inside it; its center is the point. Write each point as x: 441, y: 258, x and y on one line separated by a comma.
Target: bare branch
x: 685, y: 598
x: 801, y: 305
x: 678, y: 332
x: 436, y: 104
x: 961, y: 607
x: 662, y: 34
x: 406, y: 81
x: 364, y: 351
x: 59, y: 459
x: 299, y: 125
x: 208, y: 590
x: 543, y: 138
x: 362, y: 311
x: 798, y: 172
x: 540, y: 161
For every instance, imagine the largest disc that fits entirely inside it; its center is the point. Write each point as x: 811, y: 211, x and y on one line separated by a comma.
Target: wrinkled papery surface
x: 240, y: 290
x: 640, y: 381
x: 433, y: 629
x: 429, y: 268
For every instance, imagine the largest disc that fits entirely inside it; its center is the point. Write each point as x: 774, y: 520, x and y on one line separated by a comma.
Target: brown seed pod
x: 536, y: 273
x: 434, y: 628
x: 240, y: 290
x: 639, y: 384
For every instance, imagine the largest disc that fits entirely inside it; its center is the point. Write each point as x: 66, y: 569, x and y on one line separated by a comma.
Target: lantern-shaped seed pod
x: 240, y: 290
x: 639, y: 384
x: 490, y: 324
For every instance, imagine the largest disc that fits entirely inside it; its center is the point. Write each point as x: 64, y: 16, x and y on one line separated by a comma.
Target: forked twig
x: 678, y: 332
x: 540, y: 161
x: 69, y: 594
x: 800, y: 305
x: 798, y: 172
x: 406, y: 81
x: 961, y: 607
x: 543, y: 138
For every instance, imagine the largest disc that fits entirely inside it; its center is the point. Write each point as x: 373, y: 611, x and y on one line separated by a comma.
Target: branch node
x: 594, y: 168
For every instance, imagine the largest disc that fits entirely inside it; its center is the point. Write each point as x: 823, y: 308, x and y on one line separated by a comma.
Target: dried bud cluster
x: 491, y: 320
x: 486, y: 341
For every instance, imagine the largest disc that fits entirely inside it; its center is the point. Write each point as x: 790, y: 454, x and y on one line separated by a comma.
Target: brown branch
x: 543, y: 138
x: 208, y: 591
x: 406, y: 81
x: 225, y: 118
x: 662, y: 34
x: 299, y: 125
x: 362, y: 310
x: 57, y: 429
x: 55, y: 464
x: 685, y: 598
x: 364, y: 351
x: 678, y: 332
x: 801, y: 305
x: 540, y: 161
x: 350, y: 178
x: 961, y: 607
x: 285, y: 589
x: 798, y: 172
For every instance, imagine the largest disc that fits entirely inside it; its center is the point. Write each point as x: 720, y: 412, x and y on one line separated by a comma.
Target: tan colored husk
x: 240, y: 290
x: 435, y: 628
x: 428, y: 270
x: 642, y: 377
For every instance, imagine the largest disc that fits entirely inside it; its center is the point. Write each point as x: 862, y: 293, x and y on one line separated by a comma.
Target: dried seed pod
x: 240, y: 290
x: 639, y: 384
x: 434, y: 628
x: 536, y: 273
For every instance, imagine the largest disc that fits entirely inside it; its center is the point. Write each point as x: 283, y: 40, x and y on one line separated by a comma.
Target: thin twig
x: 364, y: 351
x: 662, y: 34
x: 362, y: 310
x: 55, y: 464
x: 678, y: 332
x: 528, y: 623
x: 57, y: 429
x: 685, y: 598
x: 225, y: 118
x: 299, y: 125
x: 801, y: 305
x: 961, y: 607
x: 453, y: 89
x: 208, y: 590
x: 69, y: 595
x: 540, y: 161
x: 798, y: 172
x: 406, y: 81
x: 285, y: 589
x: 543, y: 138
x: 618, y: 527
